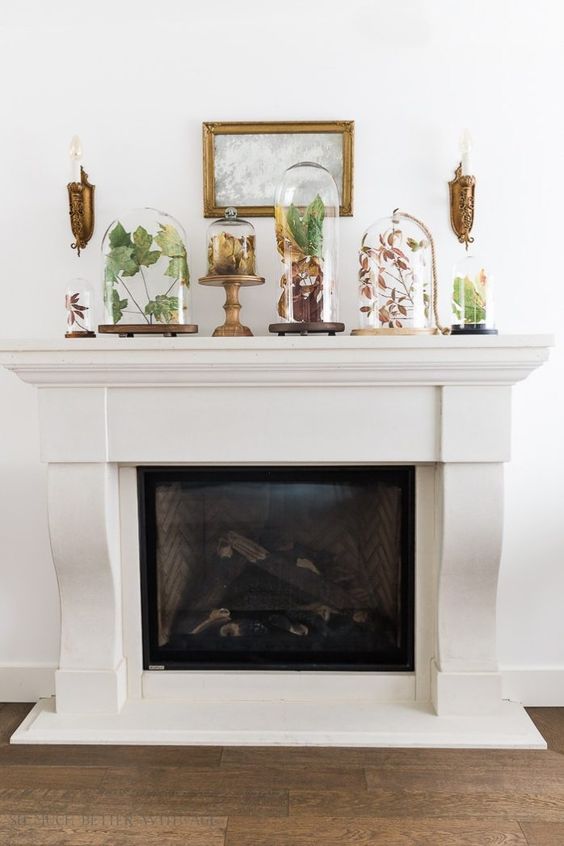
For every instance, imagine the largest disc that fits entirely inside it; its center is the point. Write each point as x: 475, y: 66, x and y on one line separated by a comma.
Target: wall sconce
x: 461, y: 190
x: 81, y: 199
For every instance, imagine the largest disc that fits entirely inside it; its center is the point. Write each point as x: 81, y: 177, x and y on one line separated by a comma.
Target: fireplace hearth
x: 277, y: 568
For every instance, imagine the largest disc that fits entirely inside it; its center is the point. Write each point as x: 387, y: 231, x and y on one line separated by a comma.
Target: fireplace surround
x: 438, y: 405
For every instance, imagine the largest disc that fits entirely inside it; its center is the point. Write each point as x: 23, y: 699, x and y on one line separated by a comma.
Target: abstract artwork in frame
x: 243, y: 162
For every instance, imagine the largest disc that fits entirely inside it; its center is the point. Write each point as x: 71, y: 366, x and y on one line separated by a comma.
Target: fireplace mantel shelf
x: 403, y: 360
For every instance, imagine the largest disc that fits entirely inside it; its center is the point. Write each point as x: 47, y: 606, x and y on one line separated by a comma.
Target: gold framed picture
x: 243, y: 162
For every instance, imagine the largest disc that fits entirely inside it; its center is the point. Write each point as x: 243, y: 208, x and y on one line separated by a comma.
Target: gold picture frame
x: 217, y: 173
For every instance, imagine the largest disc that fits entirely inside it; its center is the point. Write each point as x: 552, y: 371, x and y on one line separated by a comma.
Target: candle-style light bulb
x: 75, y: 153
x: 465, y: 150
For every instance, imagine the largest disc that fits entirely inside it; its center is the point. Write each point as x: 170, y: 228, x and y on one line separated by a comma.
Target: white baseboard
x: 26, y: 683
x: 542, y: 686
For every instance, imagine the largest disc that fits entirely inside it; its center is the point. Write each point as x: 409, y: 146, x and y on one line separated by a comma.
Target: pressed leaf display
x: 395, y: 276
x: 146, y: 277
x: 472, y: 305
x: 78, y: 306
x: 306, y: 216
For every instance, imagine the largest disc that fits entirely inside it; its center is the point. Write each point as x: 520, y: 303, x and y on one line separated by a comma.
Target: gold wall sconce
x: 462, y: 189
x: 81, y: 199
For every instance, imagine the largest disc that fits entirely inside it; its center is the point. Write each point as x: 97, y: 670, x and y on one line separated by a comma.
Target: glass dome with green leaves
x: 146, y: 277
x: 307, y: 227
x: 472, y: 301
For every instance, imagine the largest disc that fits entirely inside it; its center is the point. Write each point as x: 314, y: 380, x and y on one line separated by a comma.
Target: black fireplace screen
x: 277, y: 568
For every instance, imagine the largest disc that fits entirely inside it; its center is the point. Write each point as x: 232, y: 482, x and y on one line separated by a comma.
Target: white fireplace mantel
x: 441, y: 404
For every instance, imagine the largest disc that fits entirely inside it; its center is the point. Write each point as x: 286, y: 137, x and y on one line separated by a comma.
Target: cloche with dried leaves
x: 231, y: 246
x: 306, y: 215
x: 395, y: 277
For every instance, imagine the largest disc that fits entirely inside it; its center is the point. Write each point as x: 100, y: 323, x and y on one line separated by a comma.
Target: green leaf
x: 297, y: 228
x: 314, y: 217
x: 120, y: 261
x: 119, y: 237
x: 178, y: 269
x: 142, y: 252
x: 468, y: 301
x: 169, y: 241
x: 115, y: 304
x: 163, y: 308
x: 315, y: 210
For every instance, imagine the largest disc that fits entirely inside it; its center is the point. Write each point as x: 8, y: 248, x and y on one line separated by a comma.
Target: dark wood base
x: 129, y: 330
x: 306, y: 328
x: 472, y: 329
x: 80, y: 334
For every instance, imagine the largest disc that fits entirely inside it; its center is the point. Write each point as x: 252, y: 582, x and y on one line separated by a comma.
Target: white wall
x: 136, y: 80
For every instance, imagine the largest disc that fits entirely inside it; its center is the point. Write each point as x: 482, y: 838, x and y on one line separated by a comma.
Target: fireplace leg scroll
x: 84, y: 529
x: 465, y: 674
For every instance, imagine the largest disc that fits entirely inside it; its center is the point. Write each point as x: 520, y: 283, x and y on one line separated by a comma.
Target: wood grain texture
x: 29, y: 776
x: 469, y: 780
x: 242, y: 779
x: 110, y: 830
x: 192, y: 757
x: 550, y: 723
x: 330, y: 831
x: 11, y: 715
x: 139, y: 801
x: 543, y: 833
x: 394, y: 759
x: 510, y: 804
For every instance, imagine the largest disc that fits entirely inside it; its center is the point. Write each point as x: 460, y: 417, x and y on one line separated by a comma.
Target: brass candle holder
x: 81, y: 210
x: 462, y: 189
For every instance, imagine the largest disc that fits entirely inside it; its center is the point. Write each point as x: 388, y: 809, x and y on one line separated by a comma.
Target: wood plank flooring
x: 164, y: 796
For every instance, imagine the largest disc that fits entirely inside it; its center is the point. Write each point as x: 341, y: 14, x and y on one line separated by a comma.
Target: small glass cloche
x: 306, y: 215
x: 79, y: 306
x: 231, y: 246
x: 472, y: 300
x: 146, y: 278
x: 396, y: 277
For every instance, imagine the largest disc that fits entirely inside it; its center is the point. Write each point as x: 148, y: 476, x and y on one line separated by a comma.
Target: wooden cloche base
x: 232, y: 326
x: 306, y: 328
x: 388, y: 331
x: 80, y: 334
x: 129, y: 330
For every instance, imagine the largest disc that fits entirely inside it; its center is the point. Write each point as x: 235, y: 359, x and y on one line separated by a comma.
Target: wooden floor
x: 139, y: 796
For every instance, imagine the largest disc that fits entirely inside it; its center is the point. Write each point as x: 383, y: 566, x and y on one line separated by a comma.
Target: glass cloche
x: 146, y: 276
x: 396, y: 277
x: 231, y: 246
x: 80, y: 309
x: 472, y: 301
x: 307, y: 230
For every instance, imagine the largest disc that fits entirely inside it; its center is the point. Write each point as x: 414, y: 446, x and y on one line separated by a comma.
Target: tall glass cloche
x: 231, y: 246
x: 146, y: 279
x: 397, y: 280
x: 307, y: 237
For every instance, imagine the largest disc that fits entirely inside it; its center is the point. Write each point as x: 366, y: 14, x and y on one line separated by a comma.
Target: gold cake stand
x: 232, y: 327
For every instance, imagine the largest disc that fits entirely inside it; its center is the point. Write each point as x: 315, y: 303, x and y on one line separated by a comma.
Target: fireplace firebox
x: 277, y: 568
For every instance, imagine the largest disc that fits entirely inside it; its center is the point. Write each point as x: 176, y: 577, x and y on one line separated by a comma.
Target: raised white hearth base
x: 167, y: 722
x: 440, y: 404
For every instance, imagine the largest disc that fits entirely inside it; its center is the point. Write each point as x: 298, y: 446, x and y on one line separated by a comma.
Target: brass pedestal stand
x: 232, y: 327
